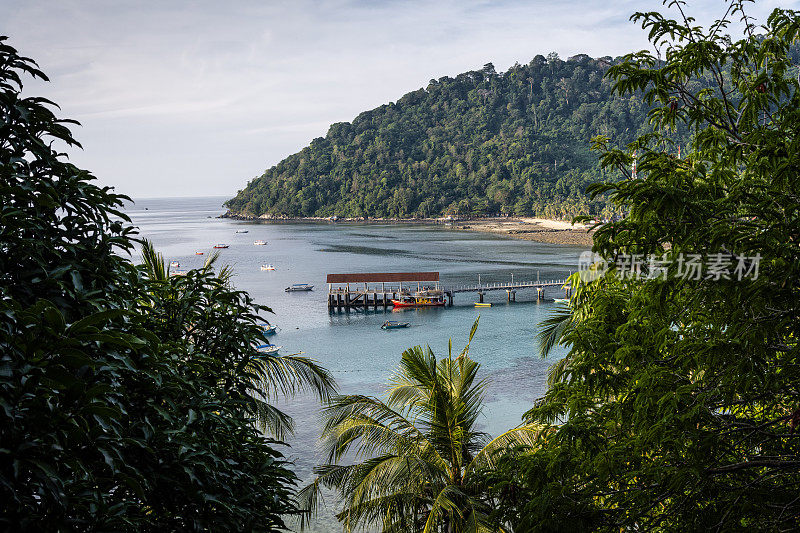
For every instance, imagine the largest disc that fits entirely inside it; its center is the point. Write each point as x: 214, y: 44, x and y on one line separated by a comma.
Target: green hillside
x: 481, y: 143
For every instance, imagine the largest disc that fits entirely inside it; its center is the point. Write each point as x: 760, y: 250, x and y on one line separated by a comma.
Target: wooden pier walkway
x: 374, y: 290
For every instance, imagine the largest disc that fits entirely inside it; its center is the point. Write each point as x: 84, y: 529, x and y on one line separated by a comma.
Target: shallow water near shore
x: 351, y: 344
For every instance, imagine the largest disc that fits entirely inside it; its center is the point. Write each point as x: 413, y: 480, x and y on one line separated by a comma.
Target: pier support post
x: 480, y: 296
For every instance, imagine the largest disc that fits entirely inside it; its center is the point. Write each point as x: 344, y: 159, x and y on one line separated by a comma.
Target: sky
x: 179, y: 98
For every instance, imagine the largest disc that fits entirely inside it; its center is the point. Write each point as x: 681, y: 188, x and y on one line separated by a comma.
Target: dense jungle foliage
x: 516, y: 142
x: 129, y: 399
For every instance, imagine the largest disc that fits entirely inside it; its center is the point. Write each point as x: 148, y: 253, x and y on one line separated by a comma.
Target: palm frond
x: 155, y: 267
x: 553, y: 329
x: 286, y: 375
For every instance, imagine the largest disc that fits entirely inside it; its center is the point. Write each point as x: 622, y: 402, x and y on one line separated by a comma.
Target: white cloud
x: 193, y: 98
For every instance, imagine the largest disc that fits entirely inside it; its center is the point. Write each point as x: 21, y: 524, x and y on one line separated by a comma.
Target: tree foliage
x: 677, y: 407
x: 127, y: 401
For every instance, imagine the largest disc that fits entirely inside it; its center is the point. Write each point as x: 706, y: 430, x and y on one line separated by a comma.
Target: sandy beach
x: 531, y: 229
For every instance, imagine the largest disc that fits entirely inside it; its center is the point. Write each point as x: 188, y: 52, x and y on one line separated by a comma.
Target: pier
x: 377, y: 290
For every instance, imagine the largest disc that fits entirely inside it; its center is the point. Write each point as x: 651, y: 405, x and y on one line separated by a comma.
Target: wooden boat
x: 393, y: 324
x: 269, y: 329
x: 219, y: 246
x: 259, y: 243
x: 299, y: 287
x: 426, y: 298
x: 268, y: 349
x: 267, y: 266
x: 481, y: 304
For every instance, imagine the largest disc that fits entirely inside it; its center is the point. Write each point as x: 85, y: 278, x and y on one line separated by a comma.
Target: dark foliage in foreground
x: 122, y: 407
x: 677, y: 408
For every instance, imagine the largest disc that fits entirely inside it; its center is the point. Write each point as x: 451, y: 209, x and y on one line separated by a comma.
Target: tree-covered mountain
x: 484, y: 142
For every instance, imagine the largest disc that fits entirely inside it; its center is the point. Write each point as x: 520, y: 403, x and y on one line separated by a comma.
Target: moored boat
x: 425, y: 298
x: 198, y: 252
x: 561, y: 300
x: 268, y: 329
x: 299, y: 287
x: 268, y: 349
x: 242, y: 231
x: 259, y: 242
x: 267, y: 266
x: 218, y: 246
x: 393, y: 324
x: 174, y: 264
x: 481, y: 304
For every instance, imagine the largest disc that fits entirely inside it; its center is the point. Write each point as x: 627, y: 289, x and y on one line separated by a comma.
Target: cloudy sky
x: 181, y: 98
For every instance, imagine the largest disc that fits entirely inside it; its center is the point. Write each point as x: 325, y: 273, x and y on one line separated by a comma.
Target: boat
x: 561, y: 300
x: 393, y: 324
x: 267, y: 267
x: 259, y: 243
x: 299, y: 287
x: 199, y: 253
x: 218, y: 246
x: 268, y: 329
x: 178, y: 273
x: 424, y: 298
x: 174, y: 264
x: 481, y: 304
x: 242, y: 231
x: 268, y: 349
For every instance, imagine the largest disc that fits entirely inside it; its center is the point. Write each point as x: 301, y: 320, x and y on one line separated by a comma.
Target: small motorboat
x: 268, y: 349
x: 174, y: 264
x: 481, y: 304
x: 259, y: 243
x: 299, y: 287
x: 393, y: 324
x: 242, y: 231
x: 178, y: 273
x: 561, y: 300
x: 267, y: 266
x: 220, y: 246
x: 198, y: 252
x: 268, y: 329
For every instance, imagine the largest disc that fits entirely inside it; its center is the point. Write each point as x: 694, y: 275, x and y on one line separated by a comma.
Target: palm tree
x: 421, y: 461
x: 273, y: 376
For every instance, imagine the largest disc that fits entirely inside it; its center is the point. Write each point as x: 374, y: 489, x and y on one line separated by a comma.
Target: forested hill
x: 481, y: 143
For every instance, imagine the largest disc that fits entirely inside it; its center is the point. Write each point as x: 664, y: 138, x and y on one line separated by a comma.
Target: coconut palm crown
x: 419, y: 459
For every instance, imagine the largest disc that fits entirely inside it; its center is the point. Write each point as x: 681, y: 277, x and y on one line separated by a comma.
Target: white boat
x: 268, y: 266
x: 178, y: 273
x: 220, y: 245
x: 198, y: 252
x: 174, y: 264
x: 269, y: 329
x: 561, y: 300
x: 299, y: 287
x: 260, y: 243
x: 268, y: 349
x: 242, y: 231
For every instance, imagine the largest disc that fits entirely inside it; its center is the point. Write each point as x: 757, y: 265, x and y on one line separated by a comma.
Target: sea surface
x: 351, y: 344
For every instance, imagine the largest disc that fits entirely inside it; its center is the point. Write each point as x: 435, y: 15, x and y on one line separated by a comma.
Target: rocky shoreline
x: 529, y: 229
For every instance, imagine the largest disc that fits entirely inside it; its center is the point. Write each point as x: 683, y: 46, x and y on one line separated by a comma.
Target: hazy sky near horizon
x: 196, y: 98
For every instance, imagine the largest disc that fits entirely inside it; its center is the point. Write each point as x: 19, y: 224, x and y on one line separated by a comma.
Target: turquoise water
x: 351, y: 344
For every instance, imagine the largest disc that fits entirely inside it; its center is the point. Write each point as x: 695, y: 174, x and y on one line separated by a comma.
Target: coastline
x: 523, y: 228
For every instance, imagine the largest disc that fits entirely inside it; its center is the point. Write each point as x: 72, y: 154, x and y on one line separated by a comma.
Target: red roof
x: 391, y: 277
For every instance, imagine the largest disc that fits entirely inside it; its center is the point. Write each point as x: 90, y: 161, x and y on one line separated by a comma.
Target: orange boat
x: 428, y: 298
